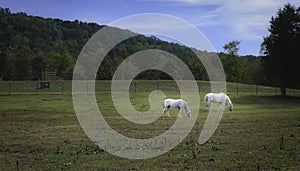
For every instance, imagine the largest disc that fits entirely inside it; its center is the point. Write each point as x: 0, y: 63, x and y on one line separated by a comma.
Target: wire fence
x: 65, y: 86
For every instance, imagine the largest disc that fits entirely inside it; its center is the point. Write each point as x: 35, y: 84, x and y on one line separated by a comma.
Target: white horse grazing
x: 179, y: 103
x: 219, y: 98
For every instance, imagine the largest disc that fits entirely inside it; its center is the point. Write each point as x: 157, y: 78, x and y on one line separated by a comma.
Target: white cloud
x: 223, y: 21
x: 247, y: 20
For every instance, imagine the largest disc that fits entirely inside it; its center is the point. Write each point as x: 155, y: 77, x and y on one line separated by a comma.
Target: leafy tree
x: 38, y: 67
x: 3, y: 56
x: 23, y: 64
x: 282, y: 48
x: 253, y: 70
x: 232, y: 63
x: 232, y: 48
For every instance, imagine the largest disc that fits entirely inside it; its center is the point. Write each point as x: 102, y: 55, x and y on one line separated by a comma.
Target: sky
x: 221, y: 21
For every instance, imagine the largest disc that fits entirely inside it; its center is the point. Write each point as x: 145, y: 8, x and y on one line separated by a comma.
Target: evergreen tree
x: 281, y: 48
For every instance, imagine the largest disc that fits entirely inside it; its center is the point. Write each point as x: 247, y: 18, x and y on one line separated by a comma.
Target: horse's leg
x: 218, y: 106
x: 168, y: 112
x: 179, y: 112
x: 222, y: 104
x: 208, y: 106
x: 164, y: 110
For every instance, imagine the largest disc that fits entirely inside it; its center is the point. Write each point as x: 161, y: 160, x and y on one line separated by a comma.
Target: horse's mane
x: 228, y: 99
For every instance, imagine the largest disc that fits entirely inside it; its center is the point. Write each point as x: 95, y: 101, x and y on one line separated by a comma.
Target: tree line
x: 30, y: 45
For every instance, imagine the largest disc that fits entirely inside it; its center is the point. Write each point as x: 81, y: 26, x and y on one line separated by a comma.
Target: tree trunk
x: 283, y: 89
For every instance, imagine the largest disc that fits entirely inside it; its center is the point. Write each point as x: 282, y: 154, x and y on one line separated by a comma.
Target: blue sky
x: 221, y: 21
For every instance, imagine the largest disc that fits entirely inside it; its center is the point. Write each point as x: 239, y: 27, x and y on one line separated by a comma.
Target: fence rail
x: 65, y: 86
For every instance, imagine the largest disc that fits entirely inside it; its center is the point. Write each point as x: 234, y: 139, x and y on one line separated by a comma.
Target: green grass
x: 41, y: 132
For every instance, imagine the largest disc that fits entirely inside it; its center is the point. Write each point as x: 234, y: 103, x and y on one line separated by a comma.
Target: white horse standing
x: 179, y: 103
x: 220, y: 98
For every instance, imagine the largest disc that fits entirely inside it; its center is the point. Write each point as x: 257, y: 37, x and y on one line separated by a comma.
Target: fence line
x: 65, y: 86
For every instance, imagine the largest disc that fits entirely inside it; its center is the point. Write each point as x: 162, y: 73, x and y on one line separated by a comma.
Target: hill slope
x: 31, y: 45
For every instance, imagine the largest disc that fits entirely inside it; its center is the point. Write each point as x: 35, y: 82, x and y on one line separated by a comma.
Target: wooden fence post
x: 37, y: 88
x: 62, y: 87
x: 18, y: 165
x: 237, y: 89
x: 87, y: 87
x: 9, y: 88
x: 256, y: 90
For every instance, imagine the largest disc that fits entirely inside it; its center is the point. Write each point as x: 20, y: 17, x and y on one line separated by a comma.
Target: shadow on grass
x: 266, y: 100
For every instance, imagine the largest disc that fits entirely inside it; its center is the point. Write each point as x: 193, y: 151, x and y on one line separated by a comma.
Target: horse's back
x: 169, y: 101
x: 174, y: 102
x: 215, y: 97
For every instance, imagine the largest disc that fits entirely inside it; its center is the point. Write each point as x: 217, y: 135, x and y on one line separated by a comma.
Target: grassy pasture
x: 41, y: 132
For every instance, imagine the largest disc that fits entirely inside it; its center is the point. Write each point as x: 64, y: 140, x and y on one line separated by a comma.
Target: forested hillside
x: 29, y: 45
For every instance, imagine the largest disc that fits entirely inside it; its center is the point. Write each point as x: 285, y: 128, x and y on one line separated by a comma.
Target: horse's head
x: 189, y: 113
x: 230, y: 106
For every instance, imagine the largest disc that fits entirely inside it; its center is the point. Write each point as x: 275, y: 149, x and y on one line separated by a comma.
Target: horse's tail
x: 205, y: 99
x: 164, y: 107
x: 164, y: 104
